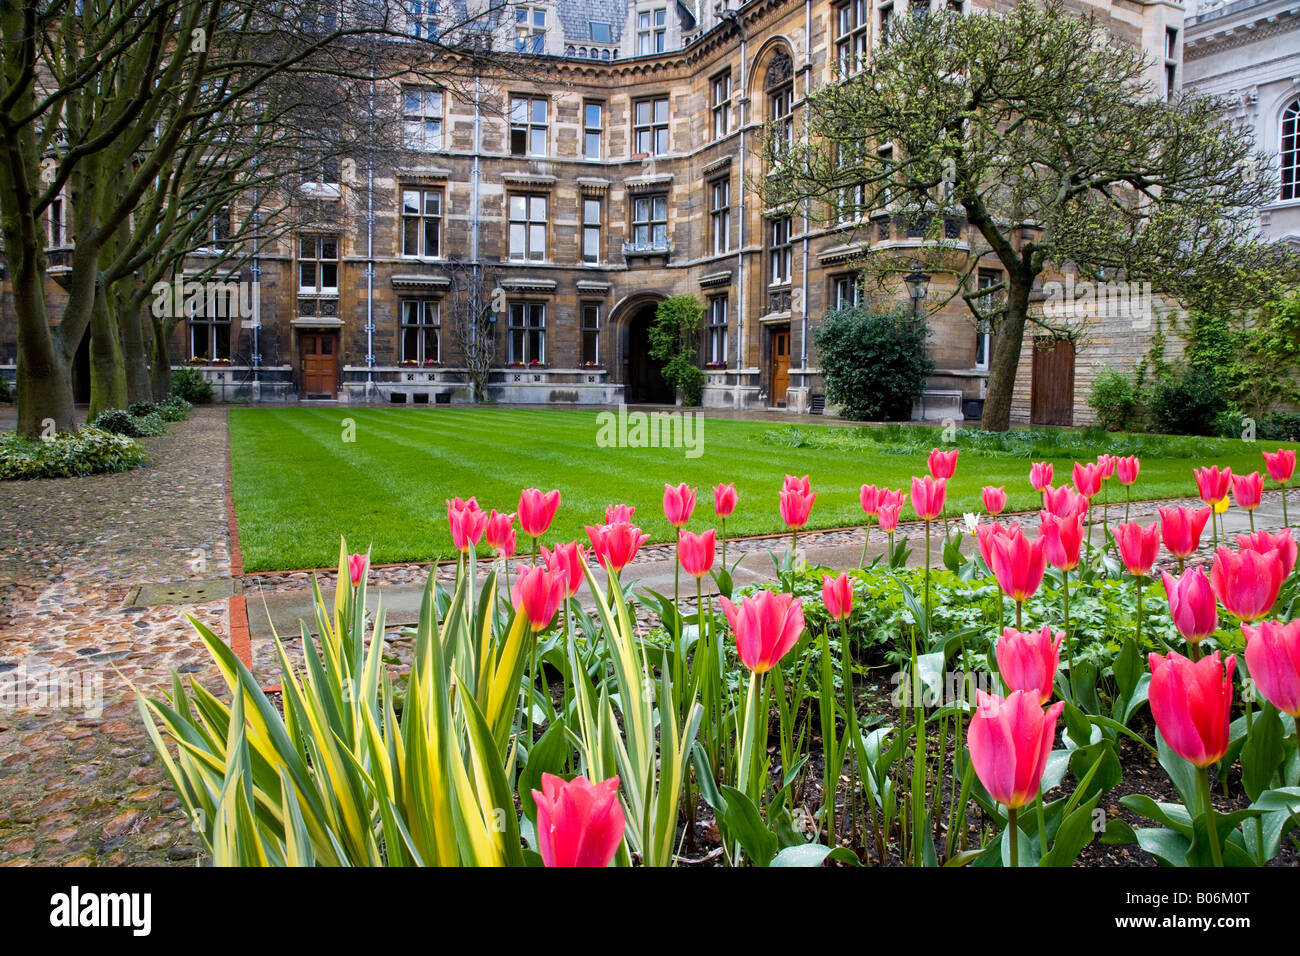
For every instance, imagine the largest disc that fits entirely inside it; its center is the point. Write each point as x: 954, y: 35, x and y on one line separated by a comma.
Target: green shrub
x: 174, y: 409
x: 674, y: 340
x: 1116, y: 400
x: 874, y: 364
x: 142, y: 408
x: 6, y: 391
x: 1279, y: 426
x: 190, y: 385
x: 85, y: 452
x: 1187, y: 402
x: 122, y: 422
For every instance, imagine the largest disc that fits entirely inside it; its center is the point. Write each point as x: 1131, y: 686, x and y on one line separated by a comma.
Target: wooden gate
x: 1051, y: 397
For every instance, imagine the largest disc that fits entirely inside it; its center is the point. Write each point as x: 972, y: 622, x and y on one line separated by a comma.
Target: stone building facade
x: 1248, y: 53
x: 616, y: 172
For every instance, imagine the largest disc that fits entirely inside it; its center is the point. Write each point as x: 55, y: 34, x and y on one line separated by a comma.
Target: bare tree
x: 474, y: 301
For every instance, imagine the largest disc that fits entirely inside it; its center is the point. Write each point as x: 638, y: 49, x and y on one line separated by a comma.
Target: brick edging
x: 237, y: 607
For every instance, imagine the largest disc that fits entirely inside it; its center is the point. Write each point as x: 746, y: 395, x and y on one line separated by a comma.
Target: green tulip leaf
x: 1026, y: 849
x: 1168, y: 847
x: 745, y: 823
x: 1172, y: 815
x: 1074, y: 833
x: 1262, y: 754
x: 1182, y: 773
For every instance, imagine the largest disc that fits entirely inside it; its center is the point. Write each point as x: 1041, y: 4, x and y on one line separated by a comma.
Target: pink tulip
x: 928, y: 496
x: 1273, y: 656
x: 869, y: 498
x: 888, y: 496
x: 538, y: 592
x: 985, y: 535
x: 537, y: 511
x: 616, y: 544
x: 725, y: 500
x: 797, y: 484
x: 616, y: 513
x: 1087, y: 478
x: 943, y: 464
x: 1064, y: 501
x: 1248, y: 489
x: 571, y: 559
x: 796, y: 506
x: 766, y: 625
x: 1192, y: 604
x: 1027, y: 661
x: 1246, y: 582
x: 1212, y: 483
x: 1063, y: 537
x: 1010, y: 741
x: 1040, y: 474
x: 467, y: 521
x: 679, y: 503
x: 1280, y: 465
x: 579, y: 823
x: 1127, y: 469
x: 695, y: 552
x: 499, y: 532
x: 1019, y: 565
x: 357, y: 568
x: 837, y: 595
x: 995, y: 499
x: 887, y: 516
x: 1283, y: 543
x: 1138, y: 546
x: 1107, y: 465
x: 1190, y: 702
x: 1181, y: 529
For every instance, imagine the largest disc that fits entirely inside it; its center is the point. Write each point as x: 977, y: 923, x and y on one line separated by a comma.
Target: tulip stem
x: 1128, y: 500
x: 866, y: 537
x: 679, y: 650
x: 1138, y: 581
x: 1019, y: 605
x: 1014, y: 833
x: 724, y: 544
x: 1042, y: 826
x: 1069, y: 641
x: 1285, y: 520
x: 1251, y: 512
x: 927, y: 579
x: 747, y: 743
x: 1203, y: 785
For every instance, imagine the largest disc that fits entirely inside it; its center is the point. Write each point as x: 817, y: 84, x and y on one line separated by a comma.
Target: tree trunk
x: 44, y: 386
x: 1007, y: 344
x: 131, y: 327
x: 107, y: 365
x: 160, y: 365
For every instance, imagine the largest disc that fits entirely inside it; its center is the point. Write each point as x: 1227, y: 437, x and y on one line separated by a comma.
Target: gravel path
x: 79, y: 782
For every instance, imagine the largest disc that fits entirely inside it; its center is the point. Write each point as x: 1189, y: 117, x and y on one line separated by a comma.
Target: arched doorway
x: 643, y: 382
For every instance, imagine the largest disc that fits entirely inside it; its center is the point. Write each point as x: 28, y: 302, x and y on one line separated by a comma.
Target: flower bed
x: 975, y: 711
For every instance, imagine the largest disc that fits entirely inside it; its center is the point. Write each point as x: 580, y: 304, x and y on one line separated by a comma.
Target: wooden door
x: 320, y: 369
x: 780, y: 366
x: 1051, y: 396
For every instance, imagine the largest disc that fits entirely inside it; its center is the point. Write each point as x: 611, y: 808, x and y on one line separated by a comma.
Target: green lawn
x: 298, y: 485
